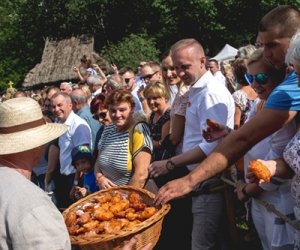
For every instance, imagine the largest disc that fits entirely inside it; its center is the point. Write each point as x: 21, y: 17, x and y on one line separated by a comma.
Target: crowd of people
x: 151, y: 123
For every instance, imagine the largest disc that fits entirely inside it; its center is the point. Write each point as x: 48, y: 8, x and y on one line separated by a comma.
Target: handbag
x: 150, y: 184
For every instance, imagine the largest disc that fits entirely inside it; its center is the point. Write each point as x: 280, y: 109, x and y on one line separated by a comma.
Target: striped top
x: 115, y: 160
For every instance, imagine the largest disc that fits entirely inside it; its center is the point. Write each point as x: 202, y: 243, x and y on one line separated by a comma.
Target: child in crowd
x: 83, y: 161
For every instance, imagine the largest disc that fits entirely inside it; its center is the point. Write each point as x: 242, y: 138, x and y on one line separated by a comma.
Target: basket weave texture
x: 145, y: 232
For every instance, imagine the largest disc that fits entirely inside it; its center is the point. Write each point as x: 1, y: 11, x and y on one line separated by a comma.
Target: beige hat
x: 22, y: 126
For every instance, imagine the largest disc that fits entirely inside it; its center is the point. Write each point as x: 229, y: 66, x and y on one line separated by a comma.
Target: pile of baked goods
x: 108, y: 213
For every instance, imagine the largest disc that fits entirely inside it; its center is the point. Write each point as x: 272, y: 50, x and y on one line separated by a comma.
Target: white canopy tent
x: 226, y: 54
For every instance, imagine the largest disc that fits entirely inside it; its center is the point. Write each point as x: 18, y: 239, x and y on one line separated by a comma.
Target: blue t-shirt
x: 89, y: 182
x: 285, y: 96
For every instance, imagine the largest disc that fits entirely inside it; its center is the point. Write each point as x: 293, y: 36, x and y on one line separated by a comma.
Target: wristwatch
x: 170, y: 165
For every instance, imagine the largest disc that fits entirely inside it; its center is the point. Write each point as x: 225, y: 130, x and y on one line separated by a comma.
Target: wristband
x: 141, y: 99
x: 75, y: 182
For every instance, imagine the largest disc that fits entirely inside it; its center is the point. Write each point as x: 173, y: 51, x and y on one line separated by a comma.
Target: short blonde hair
x: 157, y: 89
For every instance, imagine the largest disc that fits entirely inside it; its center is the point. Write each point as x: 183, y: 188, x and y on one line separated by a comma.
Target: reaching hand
x: 158, y: 168
x: 270, y: 165
x: 172, y: 190
x: 104, y: 182
x: 214, y: 131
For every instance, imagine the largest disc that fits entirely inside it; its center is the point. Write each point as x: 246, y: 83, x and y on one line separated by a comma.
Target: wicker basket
x: 145, y: 232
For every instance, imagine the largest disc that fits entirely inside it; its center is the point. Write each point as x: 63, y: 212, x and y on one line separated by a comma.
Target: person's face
x: 213, y: 67
x: 148, y: 75
x: 168, y: 72
x: 156, y: 103
x: 120, y: 114
x: 128, y: 80
x: 65, y: 88
x: 103, y: 116
x: 141, y: 64
x: 189, y: 65
x: 83, y: 165
x: 61, y: 108
x: 275, y: 47
x: 47, y: 105
x: 263, y: 90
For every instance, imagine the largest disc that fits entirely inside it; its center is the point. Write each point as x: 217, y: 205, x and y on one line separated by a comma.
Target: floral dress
x: 291, y: 155
x: 243, y: 102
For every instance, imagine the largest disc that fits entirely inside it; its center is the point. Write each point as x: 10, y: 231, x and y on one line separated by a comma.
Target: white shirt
x: 220, y: 77
x: 78, y: 133
x: 207, y: 99
x: 98, y: 91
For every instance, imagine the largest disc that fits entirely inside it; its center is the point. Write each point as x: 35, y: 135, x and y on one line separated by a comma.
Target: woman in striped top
x: 120, y: 161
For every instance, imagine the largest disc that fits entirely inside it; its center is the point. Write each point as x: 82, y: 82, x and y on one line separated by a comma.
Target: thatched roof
x: 58, y: 60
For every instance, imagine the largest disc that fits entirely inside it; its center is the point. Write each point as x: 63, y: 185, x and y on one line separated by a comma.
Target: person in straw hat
x: 28, y: 218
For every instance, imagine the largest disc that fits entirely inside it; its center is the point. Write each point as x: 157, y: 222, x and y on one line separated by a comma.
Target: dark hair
x: 239, y: 70
x: 97, y: 100
x: 286, y: 17
x: 123, y: 70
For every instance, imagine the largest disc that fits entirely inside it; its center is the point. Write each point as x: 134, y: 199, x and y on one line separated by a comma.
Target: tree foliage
x: 131, y: 50
x: 124, y: 31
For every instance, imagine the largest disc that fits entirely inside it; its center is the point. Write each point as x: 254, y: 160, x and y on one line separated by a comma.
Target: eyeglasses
x: 260, y: 78
x: 149, y: 76
x: 101, y: 115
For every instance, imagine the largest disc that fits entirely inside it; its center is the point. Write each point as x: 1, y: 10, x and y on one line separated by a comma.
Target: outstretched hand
x: 173, y: 189
x: 214, y: 131
x: 271, y: 166
x: 158, y: 168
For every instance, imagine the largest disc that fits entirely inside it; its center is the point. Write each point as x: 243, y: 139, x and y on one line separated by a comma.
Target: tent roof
x: 228, y: 52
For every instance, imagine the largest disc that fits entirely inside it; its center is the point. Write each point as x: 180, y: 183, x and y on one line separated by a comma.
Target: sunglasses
x: 127, y: 80
x: 149, y: 76
x: 101, y: 115
x: 260, y: 78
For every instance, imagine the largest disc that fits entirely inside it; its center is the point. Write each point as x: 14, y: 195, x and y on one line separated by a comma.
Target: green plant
x: 131, y: 50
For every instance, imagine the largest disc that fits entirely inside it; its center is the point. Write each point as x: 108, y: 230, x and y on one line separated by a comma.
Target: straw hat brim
x: 30, y: 138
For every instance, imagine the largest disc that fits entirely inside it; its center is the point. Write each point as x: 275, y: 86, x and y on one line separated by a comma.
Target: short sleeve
x: 141, y: 138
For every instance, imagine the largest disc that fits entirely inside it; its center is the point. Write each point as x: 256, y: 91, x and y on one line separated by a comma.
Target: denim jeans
x: 207, y: 212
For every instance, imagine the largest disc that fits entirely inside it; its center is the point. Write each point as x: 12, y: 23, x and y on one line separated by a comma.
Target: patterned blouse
x: 243, y: 102
x: 291, y: 155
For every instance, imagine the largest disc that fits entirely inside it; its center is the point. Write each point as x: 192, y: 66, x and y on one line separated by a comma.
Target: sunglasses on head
x: 101, y: 115
x: 149, y: 76
x: 260, y: 78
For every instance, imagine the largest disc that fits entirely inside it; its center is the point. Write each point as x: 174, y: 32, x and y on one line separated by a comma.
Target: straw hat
x: 22, y: 126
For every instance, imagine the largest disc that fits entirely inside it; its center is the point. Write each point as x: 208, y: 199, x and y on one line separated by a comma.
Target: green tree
x: 24, y: 25
x: 130, y: 50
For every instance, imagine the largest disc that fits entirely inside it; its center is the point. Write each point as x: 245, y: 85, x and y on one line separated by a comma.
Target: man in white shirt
x: 215, y: 70
x: 78, y: 133
x: 205, y: 101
